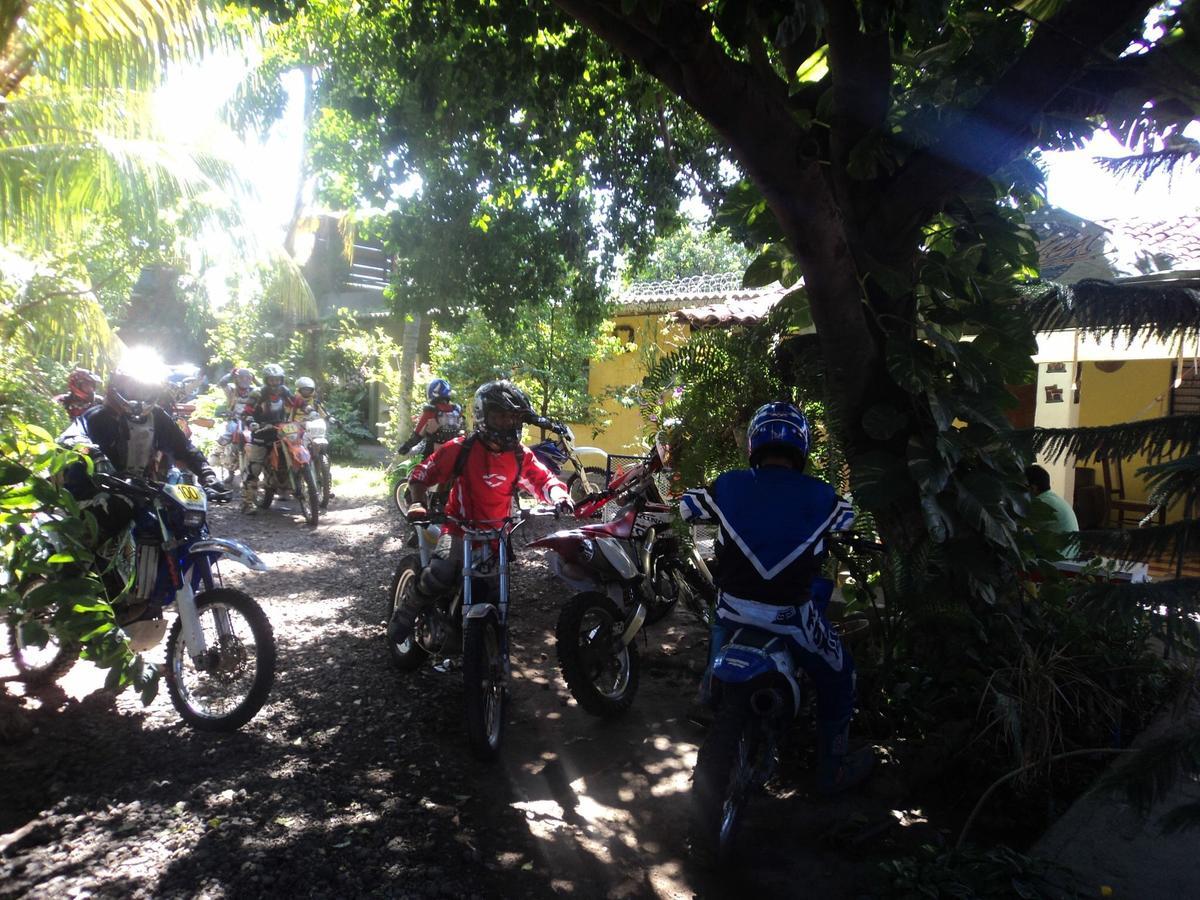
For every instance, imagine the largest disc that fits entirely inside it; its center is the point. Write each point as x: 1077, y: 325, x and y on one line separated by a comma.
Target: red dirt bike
x: 630, y: 572
x: 289, y: 467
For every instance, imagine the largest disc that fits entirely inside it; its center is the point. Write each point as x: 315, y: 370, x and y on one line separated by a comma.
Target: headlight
x: 194, y: 518
x: 315, y: 428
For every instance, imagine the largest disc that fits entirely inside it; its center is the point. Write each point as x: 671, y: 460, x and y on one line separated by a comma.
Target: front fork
x: 472, y: 554
x: 189, y: 614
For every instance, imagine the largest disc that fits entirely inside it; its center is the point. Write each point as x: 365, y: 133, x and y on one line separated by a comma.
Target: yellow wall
x: 654, y: 336
x: 1139, y: 390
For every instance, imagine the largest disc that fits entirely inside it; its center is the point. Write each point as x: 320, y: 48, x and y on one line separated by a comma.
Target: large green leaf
x: 879, y: 478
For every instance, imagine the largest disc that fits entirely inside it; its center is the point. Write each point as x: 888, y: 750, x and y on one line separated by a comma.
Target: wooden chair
x: 1114, y: 487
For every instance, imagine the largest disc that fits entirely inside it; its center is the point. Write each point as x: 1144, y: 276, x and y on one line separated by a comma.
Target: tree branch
x: 755, y: 120
x: 999, y: 128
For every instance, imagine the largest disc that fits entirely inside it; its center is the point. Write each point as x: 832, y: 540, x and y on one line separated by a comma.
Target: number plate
x: 188, y: 495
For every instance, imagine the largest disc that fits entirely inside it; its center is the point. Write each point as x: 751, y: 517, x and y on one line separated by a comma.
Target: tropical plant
x: 47, y: 543
x: 545, y: 350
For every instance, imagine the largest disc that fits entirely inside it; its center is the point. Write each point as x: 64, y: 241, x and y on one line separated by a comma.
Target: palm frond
x: 1148, y: 776
x: 1163, y: 436
x: 1144, y: 165
x: 65, y: 158
x: 1169, y: 481
x: 1142, y: 544
x: 1150, y: 309
x: 1180, y: 595
x: 1185, y: 817
x: 48, y: 315
x: 113, y: 43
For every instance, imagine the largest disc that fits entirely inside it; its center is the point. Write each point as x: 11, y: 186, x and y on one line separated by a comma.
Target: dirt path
x: 355, y: 779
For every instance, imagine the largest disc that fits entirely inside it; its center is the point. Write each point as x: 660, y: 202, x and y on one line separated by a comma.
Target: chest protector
x: 449, y: 422
x: 139, y: 445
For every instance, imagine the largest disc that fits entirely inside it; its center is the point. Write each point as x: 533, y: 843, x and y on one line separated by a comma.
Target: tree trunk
x: 409, y: 354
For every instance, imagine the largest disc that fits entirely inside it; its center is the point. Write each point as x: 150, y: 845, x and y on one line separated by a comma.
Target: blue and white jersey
x: 772, y: 525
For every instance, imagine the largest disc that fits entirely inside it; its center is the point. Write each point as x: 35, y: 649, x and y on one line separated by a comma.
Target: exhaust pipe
x: 647, y: 548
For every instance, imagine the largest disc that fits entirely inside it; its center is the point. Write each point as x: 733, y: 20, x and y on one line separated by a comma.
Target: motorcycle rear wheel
x: 38, y: 666
x: 484, y: 688
x: 723, y: 781
x: 241, y: 654
x: 409, y: 655
x: 603, y: 680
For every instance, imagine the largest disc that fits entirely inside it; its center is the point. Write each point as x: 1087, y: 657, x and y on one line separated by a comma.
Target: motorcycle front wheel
x: 598, y: 478
x: 484, y: 688
x: 306, y: 493
x: 400, y: 496
x: 601, y: 672
x: 224, y: 689
x: 724, y: 780
x: 37, y: 666
x: 408, y: 655
x: 325, y: 470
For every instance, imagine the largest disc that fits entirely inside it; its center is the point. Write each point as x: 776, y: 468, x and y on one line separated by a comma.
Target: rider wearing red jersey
x: 485, y: 470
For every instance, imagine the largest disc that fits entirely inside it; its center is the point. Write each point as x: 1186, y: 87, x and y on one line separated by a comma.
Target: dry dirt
x: 355, y: 779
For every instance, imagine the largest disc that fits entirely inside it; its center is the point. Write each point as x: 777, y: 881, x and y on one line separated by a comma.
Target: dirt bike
x: 478, y: 610
x: 220, y: 659
x: 629, y: 572
x: 555, y: 454
x: 315, y: 430
x: 288, y: 467
x: 758, y: 692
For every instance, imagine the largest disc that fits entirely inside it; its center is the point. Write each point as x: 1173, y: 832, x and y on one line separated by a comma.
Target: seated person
x: 1062, y: 517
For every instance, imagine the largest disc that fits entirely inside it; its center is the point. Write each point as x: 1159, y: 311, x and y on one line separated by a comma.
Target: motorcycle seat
x: 619, y: 528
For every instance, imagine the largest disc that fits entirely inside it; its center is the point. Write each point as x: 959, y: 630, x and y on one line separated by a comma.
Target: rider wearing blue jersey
x: 773, y: 521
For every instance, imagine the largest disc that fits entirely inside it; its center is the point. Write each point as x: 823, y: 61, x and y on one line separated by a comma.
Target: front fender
x: 480, y: 611
x: 234, y: 550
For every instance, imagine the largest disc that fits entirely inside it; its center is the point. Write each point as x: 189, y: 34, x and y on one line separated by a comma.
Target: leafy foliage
x: 546, y: 351
x: 996, y: 872
x: 45, y: 536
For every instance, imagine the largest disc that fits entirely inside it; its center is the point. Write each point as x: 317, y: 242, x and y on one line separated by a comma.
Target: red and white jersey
x: 484, y: 490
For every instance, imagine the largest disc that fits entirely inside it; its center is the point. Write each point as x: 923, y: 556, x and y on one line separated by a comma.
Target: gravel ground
x: 355, y: 780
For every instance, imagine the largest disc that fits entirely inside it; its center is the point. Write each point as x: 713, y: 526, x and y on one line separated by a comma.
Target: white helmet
x: 305, y: 386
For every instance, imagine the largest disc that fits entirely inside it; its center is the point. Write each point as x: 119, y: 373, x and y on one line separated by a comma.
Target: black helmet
x: 134, y: 392
x: 501, y: 410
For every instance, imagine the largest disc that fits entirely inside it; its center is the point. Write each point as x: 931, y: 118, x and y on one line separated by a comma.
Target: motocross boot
x: 837, y: 769
x: 400, y: 628
x: 249, y: 497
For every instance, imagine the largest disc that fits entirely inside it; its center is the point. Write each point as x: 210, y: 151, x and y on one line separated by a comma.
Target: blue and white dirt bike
x: 220, y: 661
x: 758, y: 692
x: 556, y: 454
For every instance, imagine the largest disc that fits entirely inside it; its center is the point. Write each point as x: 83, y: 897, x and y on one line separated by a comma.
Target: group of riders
x: 133, y: 425
x: 773, y: 519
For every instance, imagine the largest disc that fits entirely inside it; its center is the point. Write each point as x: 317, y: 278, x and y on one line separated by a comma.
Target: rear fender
x: 758, y: 659
x: 234, y: 550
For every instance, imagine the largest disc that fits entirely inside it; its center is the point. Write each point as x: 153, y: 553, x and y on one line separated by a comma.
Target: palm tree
x: 79, y: 144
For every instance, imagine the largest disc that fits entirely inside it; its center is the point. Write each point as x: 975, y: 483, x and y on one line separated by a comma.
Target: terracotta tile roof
x: 742, y: 311
x: 696, y: 291
x: 1071, y: 248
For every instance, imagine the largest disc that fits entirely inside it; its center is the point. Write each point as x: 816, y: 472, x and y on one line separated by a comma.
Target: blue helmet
x: 439, y: 389
x: 778, y: 427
